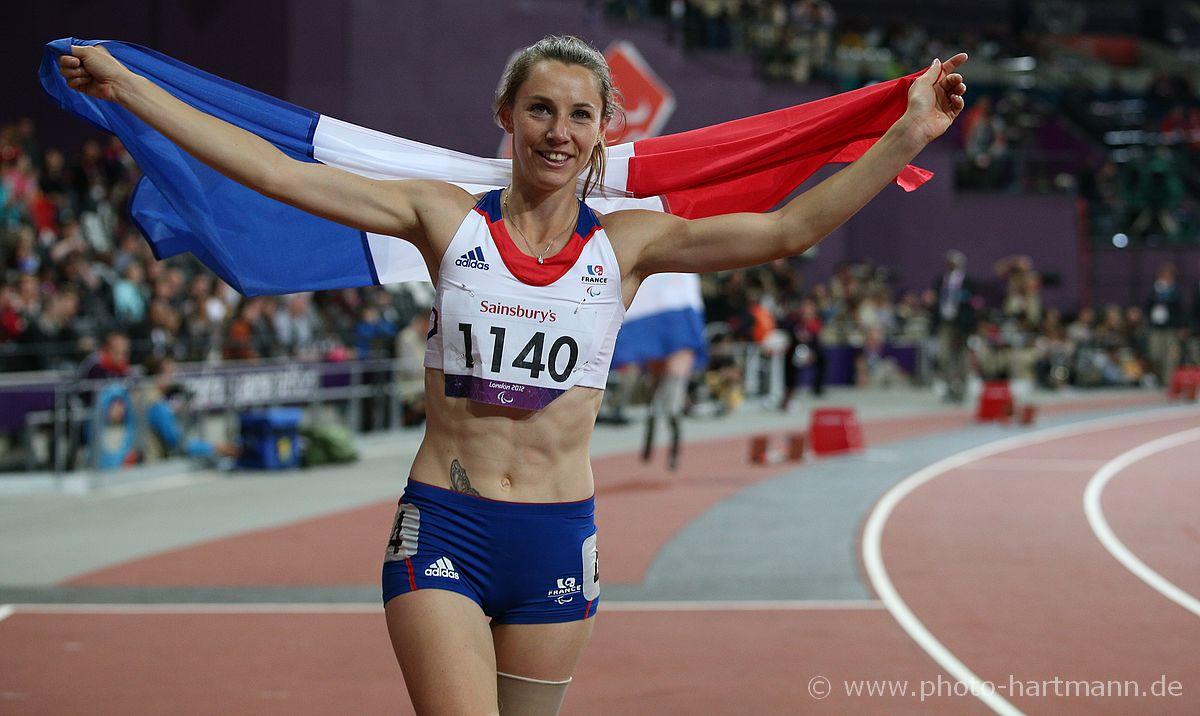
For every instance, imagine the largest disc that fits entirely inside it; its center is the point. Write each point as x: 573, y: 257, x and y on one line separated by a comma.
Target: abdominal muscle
x: 507, y: 454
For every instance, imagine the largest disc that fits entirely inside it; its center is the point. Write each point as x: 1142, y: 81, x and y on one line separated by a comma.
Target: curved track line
x: 6, y: 611
x: 1104, y: 533
x: 872, y: 550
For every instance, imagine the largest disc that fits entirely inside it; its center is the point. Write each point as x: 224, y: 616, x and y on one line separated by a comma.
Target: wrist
x: 128, y: 88
x: 908, y: 134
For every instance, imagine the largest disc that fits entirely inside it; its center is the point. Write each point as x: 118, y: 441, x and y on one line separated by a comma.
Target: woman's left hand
x: 935, y: 99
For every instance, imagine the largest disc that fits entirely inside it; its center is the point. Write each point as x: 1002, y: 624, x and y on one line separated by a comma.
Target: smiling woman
x: 562, y: 60
x: 490, y: 578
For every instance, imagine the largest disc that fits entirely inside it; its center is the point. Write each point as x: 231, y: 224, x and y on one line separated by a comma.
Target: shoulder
x: 636, y: 225
x: 437, y: 196
x: 440, y: 207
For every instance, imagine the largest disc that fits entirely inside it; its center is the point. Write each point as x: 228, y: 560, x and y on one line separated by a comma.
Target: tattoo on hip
x: 458, y: 479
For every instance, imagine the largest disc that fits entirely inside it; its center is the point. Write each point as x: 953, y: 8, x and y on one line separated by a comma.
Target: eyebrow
x: 543, y: 98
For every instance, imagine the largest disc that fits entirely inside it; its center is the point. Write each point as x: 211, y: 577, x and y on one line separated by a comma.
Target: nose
x: 557, y: 132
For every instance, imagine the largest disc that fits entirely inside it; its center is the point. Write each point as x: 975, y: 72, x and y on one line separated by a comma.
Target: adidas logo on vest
x: 441, y: 568
x: 472, y: 259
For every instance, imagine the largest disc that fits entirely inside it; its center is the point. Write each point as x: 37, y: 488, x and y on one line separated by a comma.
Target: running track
x: 996, y: 571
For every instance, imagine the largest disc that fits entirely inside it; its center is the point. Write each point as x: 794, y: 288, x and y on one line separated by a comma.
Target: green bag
x: 327, y: 445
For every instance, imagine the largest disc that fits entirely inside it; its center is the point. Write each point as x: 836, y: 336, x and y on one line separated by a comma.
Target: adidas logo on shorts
x: 441, y: 568
x: 472, y: 259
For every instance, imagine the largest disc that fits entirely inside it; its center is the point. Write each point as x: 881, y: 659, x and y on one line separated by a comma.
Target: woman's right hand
x: 91, y: 70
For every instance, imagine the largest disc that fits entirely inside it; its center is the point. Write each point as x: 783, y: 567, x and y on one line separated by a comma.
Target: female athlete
x: 490, y: 578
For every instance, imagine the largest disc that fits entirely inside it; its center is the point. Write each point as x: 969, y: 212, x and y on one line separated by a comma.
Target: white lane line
x: 157, y: 484
x: 204, y: 608
x: 6, y: 611
x: 1095, y: 516
x: 1052, y: 464
x: 371, y: 608
x: 873, y: 538
x: 742, y: 606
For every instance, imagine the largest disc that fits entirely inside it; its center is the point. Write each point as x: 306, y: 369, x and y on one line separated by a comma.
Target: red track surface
x: 1003, y: 568
x: 685, y: 663
x: 1154, y: 508
x: 994, y: 557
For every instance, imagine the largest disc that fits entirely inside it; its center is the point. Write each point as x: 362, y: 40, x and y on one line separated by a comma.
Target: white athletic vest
x: 506, y: 330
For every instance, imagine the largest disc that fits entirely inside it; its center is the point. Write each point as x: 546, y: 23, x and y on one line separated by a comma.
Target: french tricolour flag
x: 261, y: 246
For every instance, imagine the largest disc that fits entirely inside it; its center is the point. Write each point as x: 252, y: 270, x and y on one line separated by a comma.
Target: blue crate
x: 270, y: 439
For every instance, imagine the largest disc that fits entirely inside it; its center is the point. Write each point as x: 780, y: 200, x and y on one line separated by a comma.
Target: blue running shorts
x: 521, y: 562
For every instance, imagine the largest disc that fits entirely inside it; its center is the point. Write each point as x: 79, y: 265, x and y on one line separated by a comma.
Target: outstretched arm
x: 385, y: 207
x: 657, y: 243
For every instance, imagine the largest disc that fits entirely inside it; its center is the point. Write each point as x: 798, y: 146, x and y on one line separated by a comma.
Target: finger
x: 955, y: 62
x: 931, y: 75
x: 68, y: 61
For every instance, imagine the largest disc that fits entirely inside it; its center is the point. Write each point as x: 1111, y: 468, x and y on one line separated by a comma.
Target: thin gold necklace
x: 541, y: 258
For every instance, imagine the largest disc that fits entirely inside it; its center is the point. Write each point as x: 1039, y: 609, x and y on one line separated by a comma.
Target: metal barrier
x: 74, y: 414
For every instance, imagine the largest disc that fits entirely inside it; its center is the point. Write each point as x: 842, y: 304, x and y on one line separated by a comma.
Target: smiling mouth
x: 556, y: 158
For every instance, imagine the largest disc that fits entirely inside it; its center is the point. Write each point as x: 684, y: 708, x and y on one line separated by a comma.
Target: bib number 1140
x: 530, y: 357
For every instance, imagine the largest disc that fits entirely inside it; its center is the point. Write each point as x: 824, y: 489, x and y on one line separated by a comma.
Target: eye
x: 582, y: 114
x: 539, y: 109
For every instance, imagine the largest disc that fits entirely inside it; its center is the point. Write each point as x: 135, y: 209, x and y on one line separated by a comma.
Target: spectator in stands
x: 129, y: 299
x: 953, y: 321
x: 1022, y: 288
x: 160, y: 332
x: 1054, y: 351
x: 12, y: 323
x: 162, y: 400
x: 1137, y: 343
x: 1191, y: 352
x: 374, y: 335
x: 250, y: 336
x: 52, y: 339
x: 723, y: 376
x: 297, y: 326
x: 410, y: 368
x: 109, y: 361
x: 199, y: 335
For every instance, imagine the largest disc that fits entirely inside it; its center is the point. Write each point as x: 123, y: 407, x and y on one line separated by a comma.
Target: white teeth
x: 555, y: 156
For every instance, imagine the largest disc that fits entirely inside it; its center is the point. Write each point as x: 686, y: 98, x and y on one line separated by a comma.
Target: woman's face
x: 555, y: 121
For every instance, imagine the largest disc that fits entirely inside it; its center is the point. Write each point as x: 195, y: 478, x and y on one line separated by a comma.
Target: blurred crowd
x: 965, y: 325
x: 1124, y: 137
x: 799, y: 40
x: 73, y: 268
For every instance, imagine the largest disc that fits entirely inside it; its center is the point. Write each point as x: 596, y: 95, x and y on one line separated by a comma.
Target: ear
x: 603, y: 127
x: 504, y: 117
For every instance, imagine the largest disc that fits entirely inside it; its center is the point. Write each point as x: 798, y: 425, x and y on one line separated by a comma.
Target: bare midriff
x: 506, y: 454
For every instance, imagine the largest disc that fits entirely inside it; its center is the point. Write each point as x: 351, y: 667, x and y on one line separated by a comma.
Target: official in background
x: 1164, y: 313
x: 953, y: 322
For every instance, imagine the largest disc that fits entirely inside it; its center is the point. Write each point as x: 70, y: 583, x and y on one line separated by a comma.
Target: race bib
x: 514, y: 351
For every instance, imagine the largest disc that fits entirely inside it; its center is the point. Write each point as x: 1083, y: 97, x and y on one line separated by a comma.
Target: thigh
x: 548, y: 652
x: 444, y: 647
